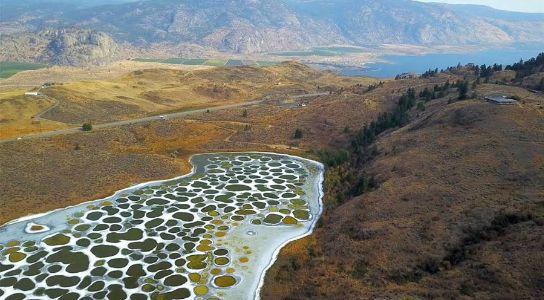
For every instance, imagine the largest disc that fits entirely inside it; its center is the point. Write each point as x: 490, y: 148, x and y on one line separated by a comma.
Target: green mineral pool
x: 211, y: 234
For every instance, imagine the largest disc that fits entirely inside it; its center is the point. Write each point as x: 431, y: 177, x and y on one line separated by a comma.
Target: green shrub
x: 333, y: 157
x: 87, y: 126
x: 360, y: 269
x: 298, y: 134
x: 463, y: 90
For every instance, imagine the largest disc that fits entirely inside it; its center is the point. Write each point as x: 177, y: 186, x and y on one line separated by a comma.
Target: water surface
x: 392, y: 65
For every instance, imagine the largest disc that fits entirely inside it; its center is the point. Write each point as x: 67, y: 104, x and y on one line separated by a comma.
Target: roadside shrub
x: 87, y: 126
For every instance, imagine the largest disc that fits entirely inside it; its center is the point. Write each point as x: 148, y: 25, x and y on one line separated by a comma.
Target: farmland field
x: 323, y: 51
x: 208, y: 62
x: 235, y: 63
x: 8, y: 68
x: 185, y: 61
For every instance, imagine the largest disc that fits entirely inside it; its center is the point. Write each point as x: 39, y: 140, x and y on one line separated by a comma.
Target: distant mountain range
x: 254, y: 26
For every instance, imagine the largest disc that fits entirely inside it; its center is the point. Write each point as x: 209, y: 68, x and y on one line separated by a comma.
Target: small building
x: 500, y: 100
x: 406, y: 76
x: 32, y: 93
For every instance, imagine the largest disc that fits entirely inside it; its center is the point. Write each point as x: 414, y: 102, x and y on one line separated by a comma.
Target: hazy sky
x: 516, y: 5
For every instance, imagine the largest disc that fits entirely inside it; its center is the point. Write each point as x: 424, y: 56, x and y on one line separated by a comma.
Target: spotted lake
x: 208, y: 235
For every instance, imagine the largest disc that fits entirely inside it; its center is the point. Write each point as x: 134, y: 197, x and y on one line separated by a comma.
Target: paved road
x: 133, y: 121
x: 310, y: 95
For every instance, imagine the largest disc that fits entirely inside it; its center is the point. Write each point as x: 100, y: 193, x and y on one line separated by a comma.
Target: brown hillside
x: 155, y: 91
x: 459, y: 213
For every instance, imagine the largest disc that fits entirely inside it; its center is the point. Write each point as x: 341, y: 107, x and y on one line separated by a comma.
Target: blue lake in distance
x: 398, y: 64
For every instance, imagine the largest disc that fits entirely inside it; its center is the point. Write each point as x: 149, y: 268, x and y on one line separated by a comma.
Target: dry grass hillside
x: 155, y: 91
x: 146, y: 92
x: 17, y: 113
x: 458, y: 213
x: 62, y: 74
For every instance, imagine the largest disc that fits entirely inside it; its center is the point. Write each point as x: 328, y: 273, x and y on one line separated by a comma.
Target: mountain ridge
x: 265, y: 26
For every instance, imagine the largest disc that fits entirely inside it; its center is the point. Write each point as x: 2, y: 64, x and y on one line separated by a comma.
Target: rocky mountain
x: 61, y: 46
x: 252, y: 26
x: 364, y: 22
x: 241, y: 26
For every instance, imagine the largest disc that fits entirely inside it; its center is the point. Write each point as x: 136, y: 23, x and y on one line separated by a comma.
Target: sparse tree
x: 244, y: 113
x: 426, y: 94
x: 298, y: 134
x: 421, y: 106
x: 463, y: 90
x: 360, y: 269
x: 87, y: 126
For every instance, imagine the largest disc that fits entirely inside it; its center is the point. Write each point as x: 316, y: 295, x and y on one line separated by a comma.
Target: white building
x: 500, y: 99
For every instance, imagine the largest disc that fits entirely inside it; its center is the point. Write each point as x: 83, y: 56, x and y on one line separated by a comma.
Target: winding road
x: 145, y: 119
x: 132, y: 121
x: 56, y: 103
